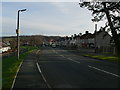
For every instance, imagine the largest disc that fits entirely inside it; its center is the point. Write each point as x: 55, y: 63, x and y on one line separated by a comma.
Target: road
x: 60, y: 68
x: 63, y: 69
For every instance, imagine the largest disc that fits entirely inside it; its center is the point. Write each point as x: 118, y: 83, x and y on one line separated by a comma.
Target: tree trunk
x: 114, y: 33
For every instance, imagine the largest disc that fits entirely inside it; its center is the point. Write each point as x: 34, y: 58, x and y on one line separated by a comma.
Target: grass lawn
x: 105, y: 58
x: 10, y: 66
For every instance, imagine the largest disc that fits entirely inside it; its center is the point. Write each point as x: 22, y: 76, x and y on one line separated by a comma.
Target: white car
x: 53, y: 45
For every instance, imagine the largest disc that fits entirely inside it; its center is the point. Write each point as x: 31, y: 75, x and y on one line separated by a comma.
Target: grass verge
x: 10, y: 66
x: 112, y: 59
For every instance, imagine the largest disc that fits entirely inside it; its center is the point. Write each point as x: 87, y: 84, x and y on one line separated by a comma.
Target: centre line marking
x: 56, y: 52
x: 104, y: 71
x: 70, y: 59
x: 61, y: 55
x: 73, y: 60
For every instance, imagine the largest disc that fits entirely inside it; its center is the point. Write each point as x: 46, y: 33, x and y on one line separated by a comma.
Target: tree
x: 106, y: 10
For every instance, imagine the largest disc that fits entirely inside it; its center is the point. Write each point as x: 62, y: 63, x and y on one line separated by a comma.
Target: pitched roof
x: 87, y: 36
x: 100, y: 31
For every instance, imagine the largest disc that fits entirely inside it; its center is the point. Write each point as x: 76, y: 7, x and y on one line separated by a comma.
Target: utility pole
x: 17, y: 32
x: 95, y: 38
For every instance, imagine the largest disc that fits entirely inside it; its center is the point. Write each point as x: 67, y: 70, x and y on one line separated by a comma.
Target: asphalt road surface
x: 62, y: 69
x: 58, y: 68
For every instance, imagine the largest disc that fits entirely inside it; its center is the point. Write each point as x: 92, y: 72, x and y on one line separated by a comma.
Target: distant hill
x: 29, y: 40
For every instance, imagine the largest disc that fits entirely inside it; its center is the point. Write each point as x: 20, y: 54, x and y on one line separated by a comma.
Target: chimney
x: 80, y: 34
x: 75, y: 35
x: 86, y: 32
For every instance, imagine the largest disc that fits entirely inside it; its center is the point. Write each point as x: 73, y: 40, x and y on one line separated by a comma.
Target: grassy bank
x: 112, y: 59
x: 10, y: 66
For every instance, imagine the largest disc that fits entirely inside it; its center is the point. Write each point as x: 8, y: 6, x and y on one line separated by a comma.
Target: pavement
x: 29, y: 75
x: 59, y: 68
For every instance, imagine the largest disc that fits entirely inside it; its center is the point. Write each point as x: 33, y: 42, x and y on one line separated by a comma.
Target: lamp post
x: 17, y: 32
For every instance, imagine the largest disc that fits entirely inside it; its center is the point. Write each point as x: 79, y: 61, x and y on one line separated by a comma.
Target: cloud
x: 48, y: 19
x: 41, y: 1
x: 66, y: 7
x: 32, y: 27
x: 8, y: 26
x: 61, y: 7
x: 46, y: 26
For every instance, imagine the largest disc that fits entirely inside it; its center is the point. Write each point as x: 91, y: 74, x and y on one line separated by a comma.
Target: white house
x: 102, y: 39
x: 4, y: 47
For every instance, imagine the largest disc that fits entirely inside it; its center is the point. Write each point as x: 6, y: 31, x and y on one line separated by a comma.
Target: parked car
x: 54, y: 45
x: 4, y: 49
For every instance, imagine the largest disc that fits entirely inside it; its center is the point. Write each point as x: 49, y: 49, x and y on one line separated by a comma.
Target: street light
x: 95, y: 20
x: 17, y: 32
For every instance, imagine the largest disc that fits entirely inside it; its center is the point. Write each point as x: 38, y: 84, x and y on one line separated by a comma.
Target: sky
x: 46, y: 18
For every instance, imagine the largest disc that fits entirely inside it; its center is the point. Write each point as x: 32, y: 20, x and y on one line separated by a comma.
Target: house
x: 4, y: 47
x: 73, y: 40
x: 86, y: 40
x: 102, y: 38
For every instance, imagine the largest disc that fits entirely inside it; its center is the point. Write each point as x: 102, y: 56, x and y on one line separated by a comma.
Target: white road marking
x: 37, y: 51
x: 38, y: 67
x: 73, y: 60
x: 16, y: 75
x: 43, y: 75
x: 70, y: 59
x: 104, y: 71
x: 61, y: 55
x: 55, y: 51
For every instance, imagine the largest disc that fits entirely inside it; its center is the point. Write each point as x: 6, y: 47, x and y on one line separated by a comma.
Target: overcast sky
x: 46, y: 18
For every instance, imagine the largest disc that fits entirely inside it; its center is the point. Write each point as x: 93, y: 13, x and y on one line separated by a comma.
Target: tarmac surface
x: 59, y: 68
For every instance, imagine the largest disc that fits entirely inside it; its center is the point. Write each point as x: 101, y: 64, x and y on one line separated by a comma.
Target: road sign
x: 17, y: 31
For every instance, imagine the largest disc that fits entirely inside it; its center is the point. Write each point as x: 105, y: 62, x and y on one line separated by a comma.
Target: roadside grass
x: 10, y: 66
x: 112, y: 59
